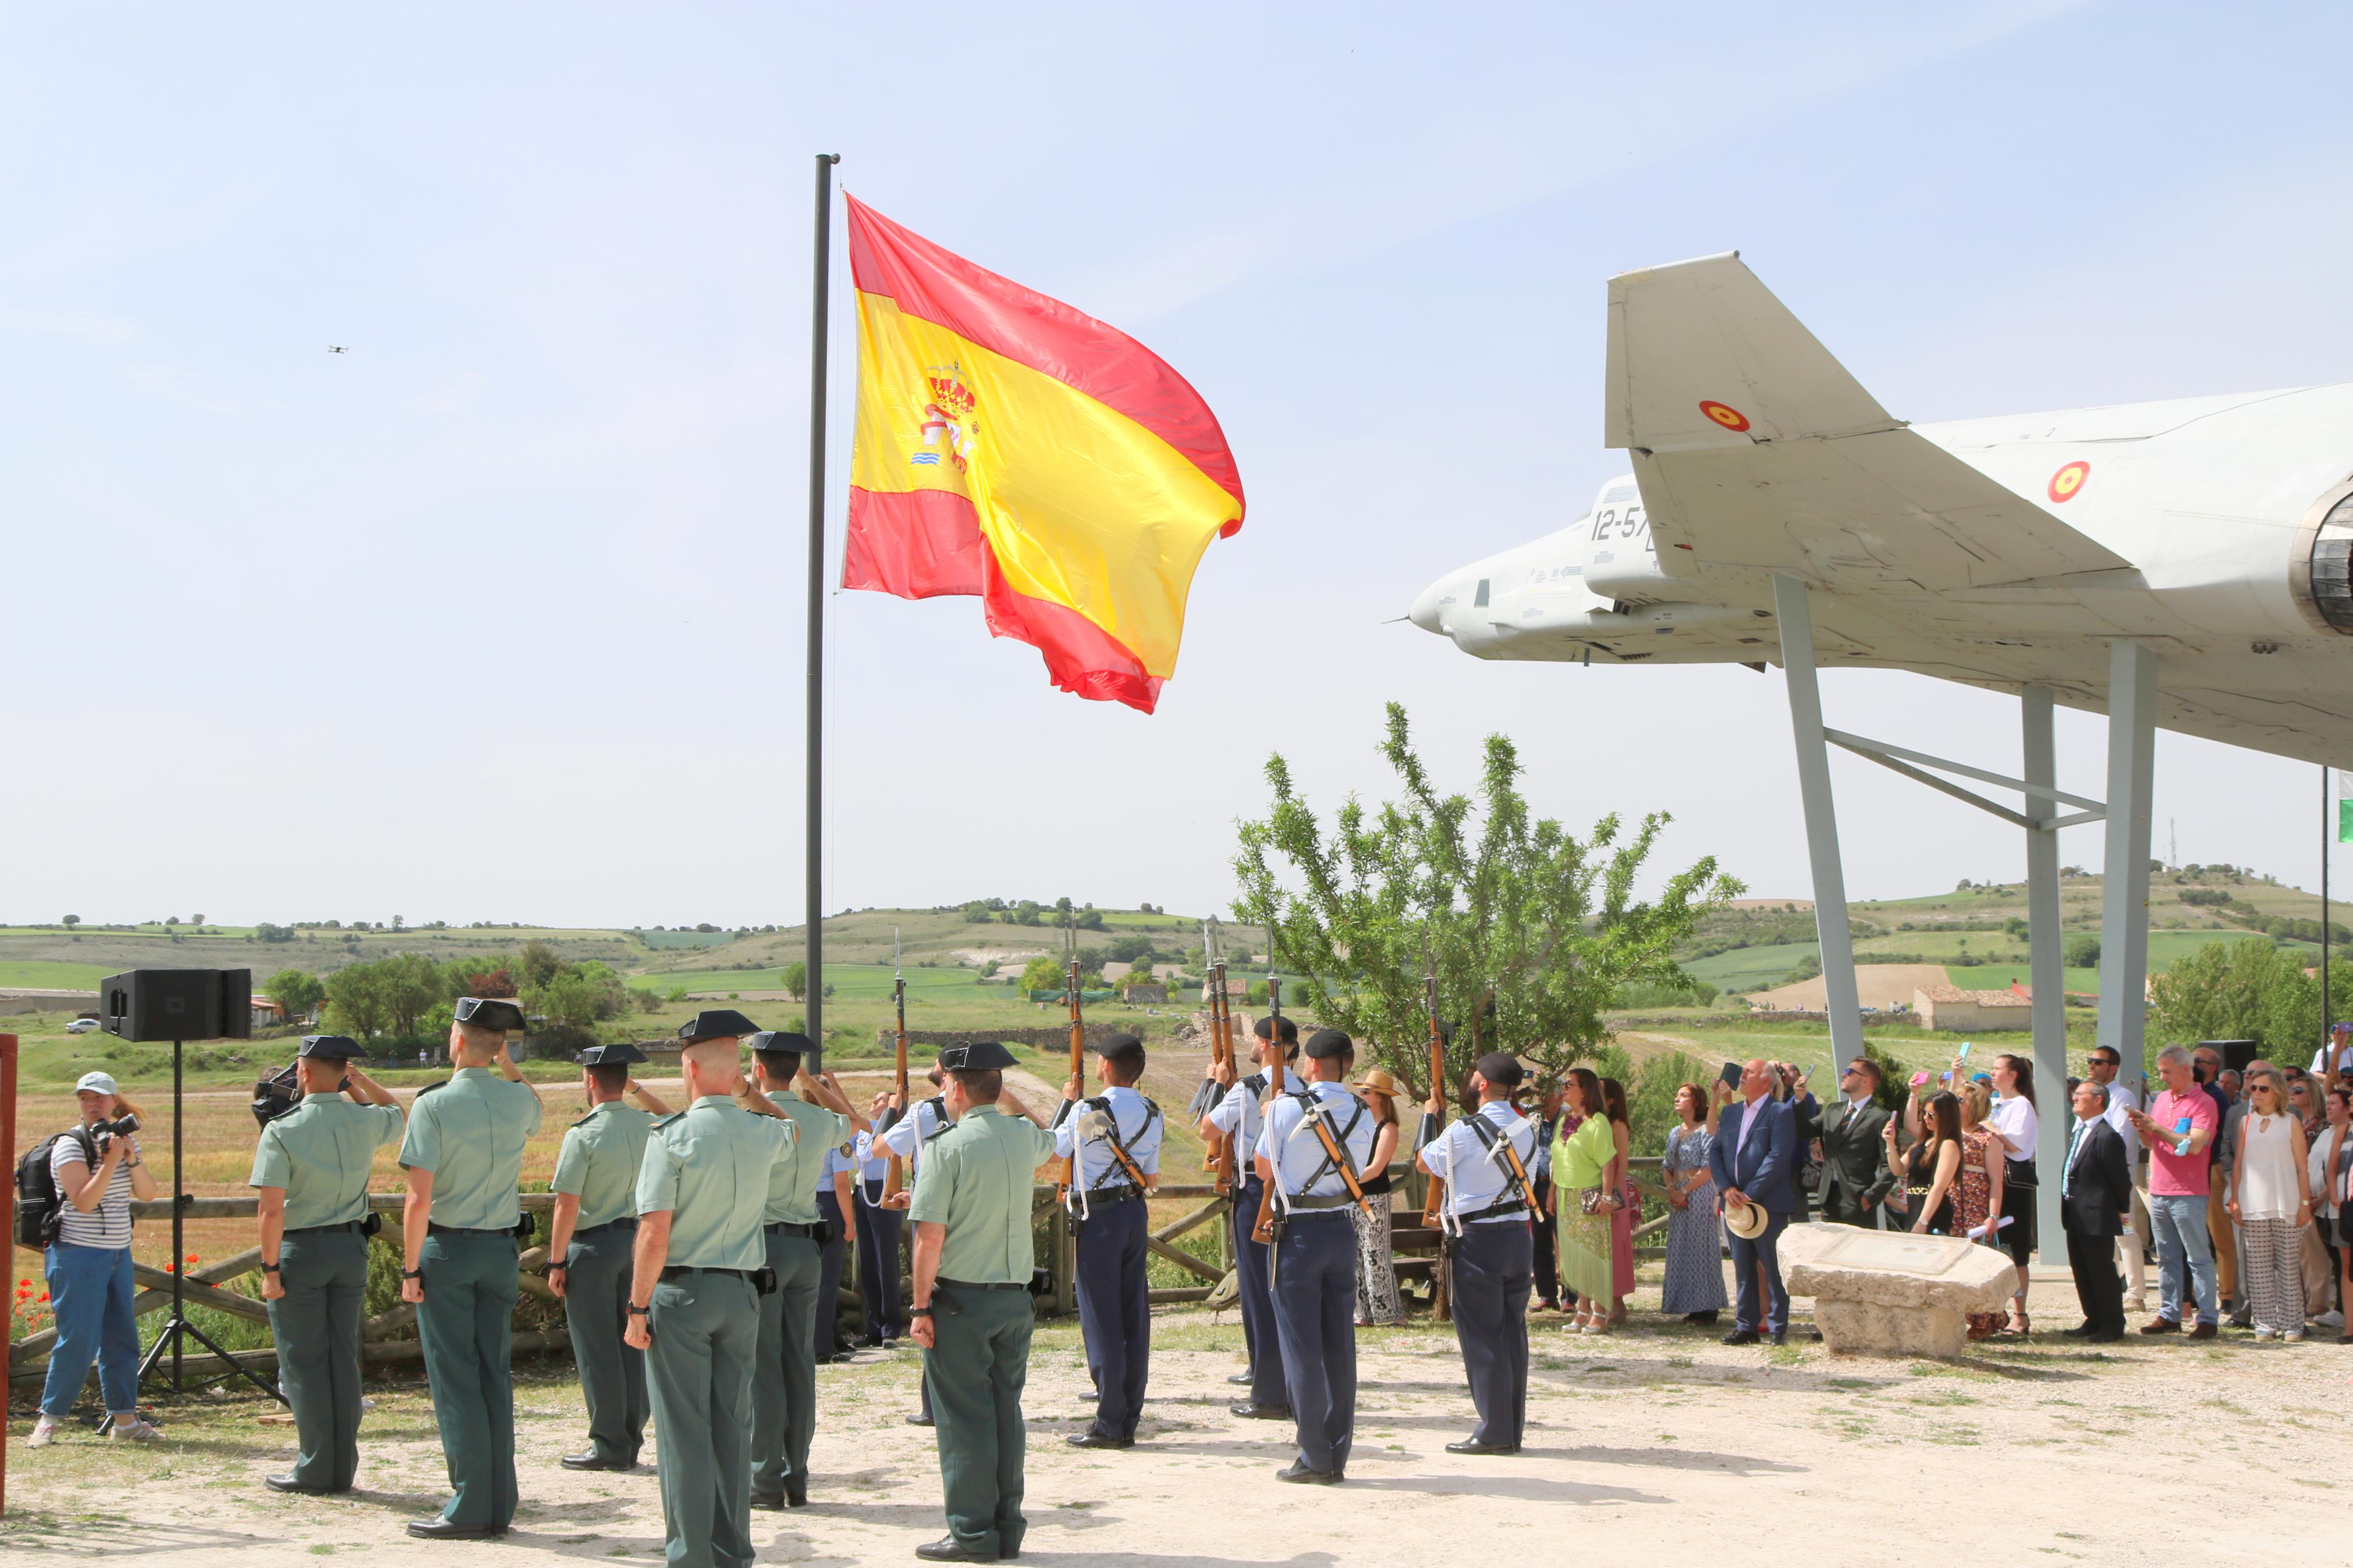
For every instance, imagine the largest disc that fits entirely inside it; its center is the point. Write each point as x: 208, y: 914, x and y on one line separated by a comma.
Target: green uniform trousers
x: 784, y: 1379
x: 466, y: 1322
x: 596, y: 1270
x: 979, y: 1362
x: 706, y: 1330
x: 316, y: 1325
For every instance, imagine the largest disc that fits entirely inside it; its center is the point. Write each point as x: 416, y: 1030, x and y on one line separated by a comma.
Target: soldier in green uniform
x: 463, y: 1157
x: 783, y: 1377
x: 589, y: 1247
x: 694, y: 1298
x: 972, y: 1309
x: 310, y: 1172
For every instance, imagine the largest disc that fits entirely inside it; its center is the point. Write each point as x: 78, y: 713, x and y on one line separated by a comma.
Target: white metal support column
x: 1840, y: 1001
x: 2124, y: 914
x: 2046, y: 958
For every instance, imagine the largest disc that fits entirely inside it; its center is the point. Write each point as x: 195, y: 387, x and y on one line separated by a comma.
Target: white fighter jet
x: 2180, y: 563
x: 2004, y: 552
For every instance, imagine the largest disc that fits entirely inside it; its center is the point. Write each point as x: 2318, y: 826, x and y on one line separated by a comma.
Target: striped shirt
x: 107, y: 1225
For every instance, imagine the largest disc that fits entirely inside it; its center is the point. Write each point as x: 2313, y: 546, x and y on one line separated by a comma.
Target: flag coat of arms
x: 1012, y: 447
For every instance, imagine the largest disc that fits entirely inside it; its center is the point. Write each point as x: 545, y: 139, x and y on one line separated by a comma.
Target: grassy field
x: 42, y: 974
x: 1750, y: 968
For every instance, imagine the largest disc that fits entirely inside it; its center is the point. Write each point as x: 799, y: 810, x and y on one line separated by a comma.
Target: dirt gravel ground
x: 1655, y: 1444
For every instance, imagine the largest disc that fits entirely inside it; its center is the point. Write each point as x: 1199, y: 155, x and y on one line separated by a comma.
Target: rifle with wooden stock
x: 1068, y: 1169
x: 1221, y: 1155
x: 1433, y: 1126
x: 1263, y: 1229
x: 895, y: 1179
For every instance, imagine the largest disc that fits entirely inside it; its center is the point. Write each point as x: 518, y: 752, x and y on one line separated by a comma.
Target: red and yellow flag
x: 1009, y: 447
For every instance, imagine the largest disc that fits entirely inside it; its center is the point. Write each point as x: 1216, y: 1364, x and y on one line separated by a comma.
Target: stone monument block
x: 1892, y: 1291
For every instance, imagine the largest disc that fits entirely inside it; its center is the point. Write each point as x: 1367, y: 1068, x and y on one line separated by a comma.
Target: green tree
x: 73, y: 920
x: 539, y: 965
x: 412, y: 987
x: 1532, y: 930
x: 1043, y: 974
x: 2244, y: 990
x: 579, y: 997
x: 298, y: 991
x: 355, y: 1001
x: 2083, y: 952
x: 796, y: 977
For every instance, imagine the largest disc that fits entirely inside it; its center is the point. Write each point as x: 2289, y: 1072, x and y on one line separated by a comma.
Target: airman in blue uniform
x: 311, y: 1172
x: 1115, y: 1139
x: 1314, y: 1267
x: 1237, y: 1115
x: 1484, y: 1161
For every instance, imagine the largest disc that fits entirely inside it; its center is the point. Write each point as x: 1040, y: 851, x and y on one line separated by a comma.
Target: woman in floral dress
x: 1979, y: 1199
x: 1695, y: 1284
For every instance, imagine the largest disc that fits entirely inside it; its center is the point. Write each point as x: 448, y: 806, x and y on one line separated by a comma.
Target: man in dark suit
x: 2094, y: 1192
x: 1755, y: 1155
x: 1855, y: 1176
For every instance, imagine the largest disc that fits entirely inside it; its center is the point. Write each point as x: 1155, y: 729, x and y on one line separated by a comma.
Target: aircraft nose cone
x: 1424, y: 613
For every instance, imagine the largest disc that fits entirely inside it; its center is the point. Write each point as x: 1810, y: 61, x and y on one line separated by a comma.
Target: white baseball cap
x: 102, y: 1082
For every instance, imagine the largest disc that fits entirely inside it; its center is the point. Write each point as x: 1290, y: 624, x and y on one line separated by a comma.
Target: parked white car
x: 82, y: 1026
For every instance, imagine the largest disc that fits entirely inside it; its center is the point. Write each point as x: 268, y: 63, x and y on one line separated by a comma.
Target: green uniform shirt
x: 709, y: 1167
x: 977, y: 1182
x: 469, y: 1134
x: 321, y: 1153
x: 793, y: 1179
x: 599, y: 1161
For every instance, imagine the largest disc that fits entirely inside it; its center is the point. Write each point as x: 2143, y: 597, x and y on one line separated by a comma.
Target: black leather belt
x: 349, y: 1227
x: 675, y: 1269
x: 1494, y: 1211
x: 793, y: 1227
x: 432, y: 1229
x: 1125, y: 1192
x: 992, y: 1285
x: 627, y: 1222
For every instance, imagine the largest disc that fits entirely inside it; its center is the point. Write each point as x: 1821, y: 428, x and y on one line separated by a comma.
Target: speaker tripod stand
x: 177, y: 1327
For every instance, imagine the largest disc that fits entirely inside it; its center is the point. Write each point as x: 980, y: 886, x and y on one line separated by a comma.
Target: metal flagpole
x: 2327, y: 829
x: 813, y: 873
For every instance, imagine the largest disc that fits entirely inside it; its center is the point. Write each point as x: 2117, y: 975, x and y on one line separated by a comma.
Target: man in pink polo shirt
x: 2179, y: 1130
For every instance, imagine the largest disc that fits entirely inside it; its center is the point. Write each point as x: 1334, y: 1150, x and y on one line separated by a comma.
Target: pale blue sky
x: 497, y: 615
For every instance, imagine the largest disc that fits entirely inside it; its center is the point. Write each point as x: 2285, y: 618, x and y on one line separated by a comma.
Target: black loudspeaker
x: 2236, y: 1054
x: 177, y: 1004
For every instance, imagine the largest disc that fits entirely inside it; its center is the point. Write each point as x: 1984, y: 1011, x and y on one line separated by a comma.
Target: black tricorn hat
x: 491, y: 1013
x: 782, y: 1041
x: 617, y: 1054
x: 717, y: 1023
x: 976, y: 1056
x: 1326, y: 1043
x: 332, y: 1048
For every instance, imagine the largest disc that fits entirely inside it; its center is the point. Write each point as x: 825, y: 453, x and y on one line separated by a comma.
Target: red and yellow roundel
x: 2069, y: 479
x: 1730, y: 418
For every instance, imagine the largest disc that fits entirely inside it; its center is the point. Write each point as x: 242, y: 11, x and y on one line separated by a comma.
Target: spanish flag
x: 1009, y: 447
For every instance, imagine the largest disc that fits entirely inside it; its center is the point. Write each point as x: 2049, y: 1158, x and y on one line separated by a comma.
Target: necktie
x: 2067, y: 1177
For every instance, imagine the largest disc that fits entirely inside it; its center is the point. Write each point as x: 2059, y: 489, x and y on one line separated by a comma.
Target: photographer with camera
x: 311, y: 1178
x: 97, y: 1171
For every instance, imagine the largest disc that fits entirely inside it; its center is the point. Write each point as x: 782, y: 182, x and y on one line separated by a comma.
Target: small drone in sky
x: 337, y: 349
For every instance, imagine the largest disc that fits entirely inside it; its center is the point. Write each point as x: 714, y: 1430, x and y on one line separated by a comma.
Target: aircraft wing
x: 1756, y: 450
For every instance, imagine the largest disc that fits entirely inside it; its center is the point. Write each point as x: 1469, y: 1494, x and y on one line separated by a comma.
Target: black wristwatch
x: 637, y: 1311
x: 919, y: 1312
x: 270, y: 1268
x: 412, y: 1273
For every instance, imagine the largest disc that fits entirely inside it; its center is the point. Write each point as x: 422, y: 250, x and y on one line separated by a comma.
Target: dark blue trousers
x: 877, y: 1263
x: 1494, y: 1268
x: 829, y: 1281
x: 1745, y: 1256
x: 1250, y: 1264
x: 1315, y: 1324
x: 1115, y: 1314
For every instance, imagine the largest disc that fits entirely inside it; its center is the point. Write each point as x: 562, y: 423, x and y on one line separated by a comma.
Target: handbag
x: 1600, y: 1200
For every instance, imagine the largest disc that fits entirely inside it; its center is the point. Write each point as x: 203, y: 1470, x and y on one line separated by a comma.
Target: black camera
x: 278, y: 1094
x: 122, y: 1125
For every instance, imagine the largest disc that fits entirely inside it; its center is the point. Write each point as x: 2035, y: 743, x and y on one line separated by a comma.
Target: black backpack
x: 40, y: 1207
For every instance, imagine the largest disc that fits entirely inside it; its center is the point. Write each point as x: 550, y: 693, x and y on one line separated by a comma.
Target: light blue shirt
x: 913, y: 1134
x: 1140, y: 1126
x: 1295, y: 1151
x: 1474, y: 1181
x: 1237, y: 1115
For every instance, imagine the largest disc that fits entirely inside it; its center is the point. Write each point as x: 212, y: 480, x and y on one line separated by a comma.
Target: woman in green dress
x: 1580, y: 1161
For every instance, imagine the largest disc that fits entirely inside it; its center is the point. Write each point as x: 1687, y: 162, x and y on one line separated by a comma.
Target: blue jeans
x: 91, y: 1290
x: 2179, y: 1223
